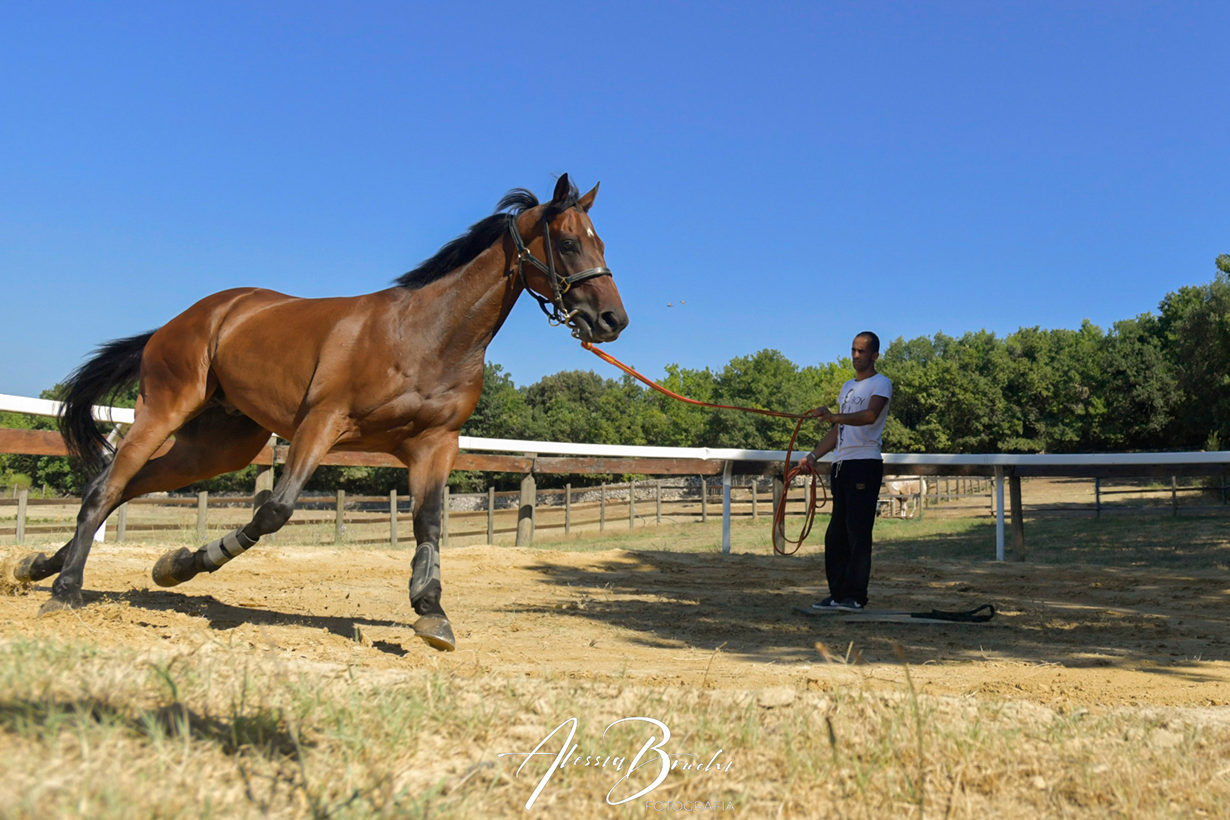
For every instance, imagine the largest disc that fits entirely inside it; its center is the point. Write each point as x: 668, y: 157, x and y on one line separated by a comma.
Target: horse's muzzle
x: 598, y: 326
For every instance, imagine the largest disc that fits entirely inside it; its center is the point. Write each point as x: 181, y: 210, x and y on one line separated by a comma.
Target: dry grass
x: 228, y: 732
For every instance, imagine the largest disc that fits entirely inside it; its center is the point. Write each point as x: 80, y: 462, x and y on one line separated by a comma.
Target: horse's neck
x: 468, y: 306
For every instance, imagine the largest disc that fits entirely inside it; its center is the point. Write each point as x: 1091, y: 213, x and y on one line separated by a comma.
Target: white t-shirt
x: 862, y: 441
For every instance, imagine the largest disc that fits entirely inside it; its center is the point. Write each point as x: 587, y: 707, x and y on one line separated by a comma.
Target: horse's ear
x: 563, y: 187
x: 586, y: 202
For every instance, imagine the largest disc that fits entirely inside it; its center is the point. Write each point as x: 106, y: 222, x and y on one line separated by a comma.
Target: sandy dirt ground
x: 1069, y: 637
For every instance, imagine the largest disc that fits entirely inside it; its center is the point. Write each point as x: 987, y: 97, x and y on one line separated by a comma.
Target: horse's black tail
x: 114, y: 367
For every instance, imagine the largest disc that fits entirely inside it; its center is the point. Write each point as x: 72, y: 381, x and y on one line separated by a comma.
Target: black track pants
x: 847, y: 542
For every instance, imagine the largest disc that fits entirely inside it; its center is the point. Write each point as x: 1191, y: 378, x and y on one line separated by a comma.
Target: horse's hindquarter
x: 178, y: 363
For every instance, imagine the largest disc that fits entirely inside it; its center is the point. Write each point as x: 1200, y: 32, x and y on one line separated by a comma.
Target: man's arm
x: 826, y: 444
x: 808, y: 462
x: 865, y: 416
x: 829, y: 442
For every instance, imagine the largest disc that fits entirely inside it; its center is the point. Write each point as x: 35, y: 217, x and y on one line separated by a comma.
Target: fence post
x: 631, y: 504
x: 202, y: 510
x: 568, y: 508
x: 491, y: 514
x: 755, y: 511
x: 726, y: 471
x: 261, y: 490
x: 393, y: 517
x: 1018, y: 515
x: 23, y: 500
x: 525, y: 513
x: 704, y: 500
x: 444, y: 504
x: 999, y: 513
x: 601, y: 508
x: 263, y: 487
x: 1097, y: 497
x: 657, y: 501
x: 339, y: 518
x: 1174, y: 496
x: 121, y: 522
x: 779, y: 539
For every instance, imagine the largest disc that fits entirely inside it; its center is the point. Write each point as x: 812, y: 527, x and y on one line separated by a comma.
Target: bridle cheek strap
x: 552, y: 308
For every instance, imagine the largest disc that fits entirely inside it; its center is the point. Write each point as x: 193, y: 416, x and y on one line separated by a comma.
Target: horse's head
x: 575, y: 278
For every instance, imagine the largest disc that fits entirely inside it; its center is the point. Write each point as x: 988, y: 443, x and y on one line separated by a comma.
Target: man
x: 857, y: 470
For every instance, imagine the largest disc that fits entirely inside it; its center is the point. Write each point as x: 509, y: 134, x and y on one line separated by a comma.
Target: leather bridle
x: 553, y: 308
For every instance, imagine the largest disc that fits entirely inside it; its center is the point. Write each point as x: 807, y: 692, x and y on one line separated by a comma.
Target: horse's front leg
x: 430, y: 463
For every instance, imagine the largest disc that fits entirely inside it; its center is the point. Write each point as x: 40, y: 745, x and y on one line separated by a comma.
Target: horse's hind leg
x: 104, y: 494
x: 312, y: 441
x: 36, y: 566
x: 430, y: 460
x: 208, y: 445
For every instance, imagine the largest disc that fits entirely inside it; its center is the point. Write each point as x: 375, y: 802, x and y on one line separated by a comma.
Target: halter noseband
x: 557, y: 314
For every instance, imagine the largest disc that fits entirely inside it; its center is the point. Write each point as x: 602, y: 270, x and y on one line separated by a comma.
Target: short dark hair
x: 873, y: 340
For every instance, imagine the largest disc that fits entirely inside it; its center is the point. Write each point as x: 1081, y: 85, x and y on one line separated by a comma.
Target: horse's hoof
x: 435, y: 629
x: 175, y: 567
x: 24, y: 570
x: 58, y: 603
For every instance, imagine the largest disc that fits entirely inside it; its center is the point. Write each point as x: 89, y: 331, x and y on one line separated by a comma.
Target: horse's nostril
x: 613, y: 320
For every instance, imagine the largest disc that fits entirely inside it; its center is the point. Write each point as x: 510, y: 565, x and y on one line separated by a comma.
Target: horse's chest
x: 412, y: 413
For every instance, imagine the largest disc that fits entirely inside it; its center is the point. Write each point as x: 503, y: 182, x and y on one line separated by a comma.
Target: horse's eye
x: 570, y: 246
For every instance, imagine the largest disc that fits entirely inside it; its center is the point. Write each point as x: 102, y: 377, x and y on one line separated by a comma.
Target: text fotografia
x: 635, y: 775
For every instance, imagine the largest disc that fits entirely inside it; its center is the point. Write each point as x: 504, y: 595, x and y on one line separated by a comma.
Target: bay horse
x: 397, y: 371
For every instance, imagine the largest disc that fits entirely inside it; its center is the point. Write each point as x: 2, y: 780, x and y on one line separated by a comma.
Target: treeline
x: 1160, y: 381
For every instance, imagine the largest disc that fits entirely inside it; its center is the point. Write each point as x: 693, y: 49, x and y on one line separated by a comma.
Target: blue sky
x: 774, y: 175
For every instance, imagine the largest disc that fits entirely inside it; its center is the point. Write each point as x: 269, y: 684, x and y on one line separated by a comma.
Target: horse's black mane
x: 482, y: 235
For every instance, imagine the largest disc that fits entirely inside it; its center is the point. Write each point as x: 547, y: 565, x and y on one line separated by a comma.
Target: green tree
x: 918, y: 373
x: 1194, y: 325
x: 682, y: 424
x: 1072, y: 403
x: 502, y: 410
x: 765, y: 380
x: 562, y: 408
x: 1139, y: 387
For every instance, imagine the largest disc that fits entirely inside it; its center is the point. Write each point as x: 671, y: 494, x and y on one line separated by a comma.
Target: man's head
x: 864, y: 351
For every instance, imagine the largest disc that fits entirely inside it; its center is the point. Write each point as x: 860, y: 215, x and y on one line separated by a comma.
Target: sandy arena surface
x: 1069, y: 637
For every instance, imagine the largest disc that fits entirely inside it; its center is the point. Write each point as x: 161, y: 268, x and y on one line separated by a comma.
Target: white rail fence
x: 999, y: 466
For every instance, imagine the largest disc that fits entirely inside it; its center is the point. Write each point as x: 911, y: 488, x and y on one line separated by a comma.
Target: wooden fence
x: 490, y: 517
x: 944, y: 471
x: 495, y: 517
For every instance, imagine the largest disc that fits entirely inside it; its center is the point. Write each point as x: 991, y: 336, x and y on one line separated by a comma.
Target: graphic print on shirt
x: 850, y: 403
